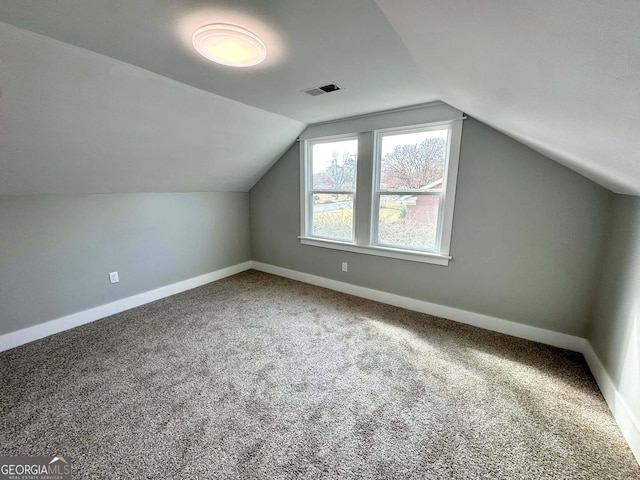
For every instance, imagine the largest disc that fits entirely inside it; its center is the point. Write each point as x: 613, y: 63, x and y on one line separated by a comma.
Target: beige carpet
x: 256, y: 376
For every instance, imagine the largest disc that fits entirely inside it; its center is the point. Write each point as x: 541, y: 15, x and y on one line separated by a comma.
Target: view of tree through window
x: 405, y: 177
x: 411, y: 163
x: 412, y: 160
x: 334, y: 166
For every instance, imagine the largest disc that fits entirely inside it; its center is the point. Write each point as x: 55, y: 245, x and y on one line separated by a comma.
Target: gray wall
x: 56, y: 250
x: 527, y: 237
x: 615, y: 332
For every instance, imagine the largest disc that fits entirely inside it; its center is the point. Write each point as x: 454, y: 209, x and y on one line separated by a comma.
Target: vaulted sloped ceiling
x: 109, y: 96
x: 561, y: 76
x: 73, y: 121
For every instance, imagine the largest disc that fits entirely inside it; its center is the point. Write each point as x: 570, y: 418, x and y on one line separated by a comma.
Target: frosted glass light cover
x: 229, y: 45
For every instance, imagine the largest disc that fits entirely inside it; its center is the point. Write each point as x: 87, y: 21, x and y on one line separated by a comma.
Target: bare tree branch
x: 414, y: 166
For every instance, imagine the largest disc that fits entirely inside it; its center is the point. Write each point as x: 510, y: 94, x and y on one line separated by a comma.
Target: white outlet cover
x: 113, y: 277
x: 345, y: 266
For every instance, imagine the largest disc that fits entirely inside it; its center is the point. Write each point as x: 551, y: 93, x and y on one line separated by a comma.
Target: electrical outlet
x: 113, y: 277
x: 345, y: 267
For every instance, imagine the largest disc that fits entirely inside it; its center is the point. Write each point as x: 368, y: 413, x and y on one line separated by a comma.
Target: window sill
x: 410, y: 255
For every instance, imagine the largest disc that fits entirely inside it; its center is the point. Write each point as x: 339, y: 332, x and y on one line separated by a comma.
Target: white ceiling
x: 73, y: 121
x: 310, y: 43
x: 561, y: 76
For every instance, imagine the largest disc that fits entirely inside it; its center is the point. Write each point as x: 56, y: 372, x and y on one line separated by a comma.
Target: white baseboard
x: 26, y: 335
x: 629, y: 425
x: 562, y: 340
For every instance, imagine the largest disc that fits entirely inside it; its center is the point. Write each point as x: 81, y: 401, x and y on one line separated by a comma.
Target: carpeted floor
x: 256, y: 376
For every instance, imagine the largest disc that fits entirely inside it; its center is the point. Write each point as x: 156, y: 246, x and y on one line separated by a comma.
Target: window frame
x: 368, y: 129
x: 377, y: 192
x: 309, y: 191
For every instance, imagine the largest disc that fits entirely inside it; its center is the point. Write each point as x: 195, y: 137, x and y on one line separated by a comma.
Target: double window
x: 385, y: 192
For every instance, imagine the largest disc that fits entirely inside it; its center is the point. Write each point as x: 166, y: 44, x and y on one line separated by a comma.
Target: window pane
x: 334, y: 165
x: 413, y: 160
x: 333, y: 216
x: 408, y: 221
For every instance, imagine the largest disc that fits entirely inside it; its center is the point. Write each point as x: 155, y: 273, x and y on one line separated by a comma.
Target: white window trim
x: 411, y: 255
x: 364, y: 233
x: 376, y: 192
x: 307, y: 181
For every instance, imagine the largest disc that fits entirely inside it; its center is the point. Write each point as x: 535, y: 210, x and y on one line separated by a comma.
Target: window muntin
x: 411, y: 172
x: 369, y: 236
x: 332, y: 171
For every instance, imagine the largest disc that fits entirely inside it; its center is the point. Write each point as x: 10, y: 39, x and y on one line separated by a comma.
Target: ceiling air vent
x: 332, y: 87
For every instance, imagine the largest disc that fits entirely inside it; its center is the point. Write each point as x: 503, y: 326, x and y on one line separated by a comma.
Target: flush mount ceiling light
x: 229, y: 45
